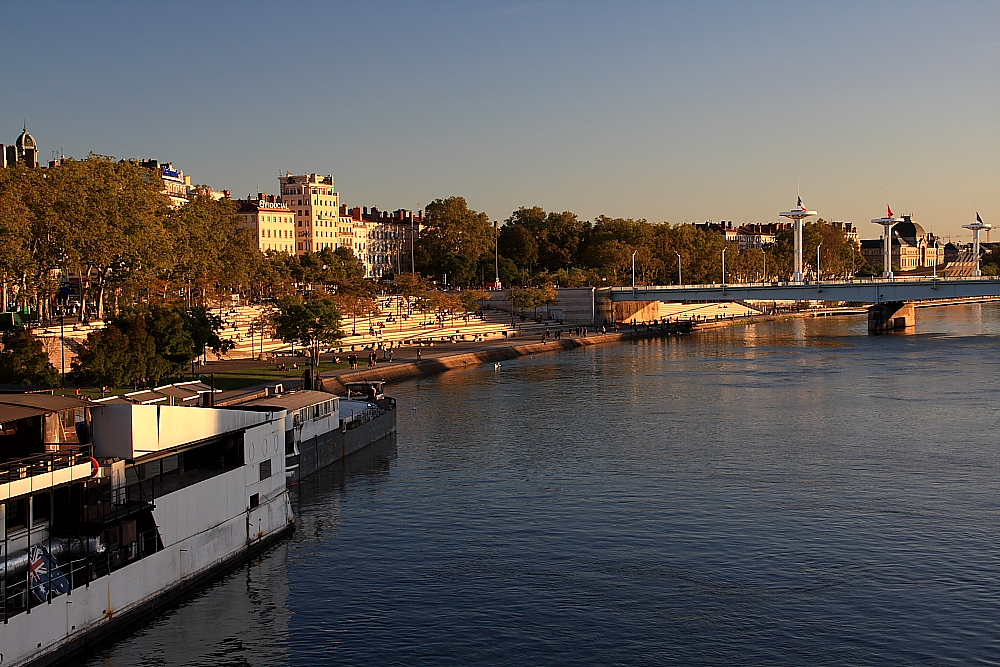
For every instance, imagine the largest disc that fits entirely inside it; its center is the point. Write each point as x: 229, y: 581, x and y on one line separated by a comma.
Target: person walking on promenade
x: 390, y: 355
x: 418, y: 354
x: 373, y: 359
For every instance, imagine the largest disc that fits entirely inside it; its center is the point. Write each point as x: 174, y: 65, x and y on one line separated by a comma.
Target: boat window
x: 17, y: 514
x: 265, y: 469
x: 170, y: 465
x: 254, y: 500
x: 41, y: 509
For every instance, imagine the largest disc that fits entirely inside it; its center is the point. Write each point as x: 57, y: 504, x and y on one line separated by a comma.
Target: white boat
x: 321, y: 428
x: 96, y: 536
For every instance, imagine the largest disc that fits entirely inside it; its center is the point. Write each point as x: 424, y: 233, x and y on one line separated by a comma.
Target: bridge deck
x: 858, y: 290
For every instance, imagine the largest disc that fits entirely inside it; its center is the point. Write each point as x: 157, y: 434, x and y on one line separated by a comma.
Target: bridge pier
x: 890, y: 316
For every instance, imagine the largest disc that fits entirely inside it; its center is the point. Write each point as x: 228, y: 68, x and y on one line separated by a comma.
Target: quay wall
x: 398, y: 372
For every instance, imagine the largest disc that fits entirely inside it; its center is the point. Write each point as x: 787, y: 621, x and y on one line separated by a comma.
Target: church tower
x: 27, y: 148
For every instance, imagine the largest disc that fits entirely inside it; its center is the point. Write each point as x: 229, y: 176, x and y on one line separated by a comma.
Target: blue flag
x: 978, y: 219
x: 46, y: 577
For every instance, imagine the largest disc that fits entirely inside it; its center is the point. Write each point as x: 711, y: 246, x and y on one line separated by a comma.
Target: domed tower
x: 27, y: 148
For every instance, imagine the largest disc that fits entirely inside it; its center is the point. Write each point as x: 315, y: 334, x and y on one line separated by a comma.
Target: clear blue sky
x: 668, y: 111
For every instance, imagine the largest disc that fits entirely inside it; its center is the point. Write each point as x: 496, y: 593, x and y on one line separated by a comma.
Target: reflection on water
x: 242, y: 620
x: 785, y: 493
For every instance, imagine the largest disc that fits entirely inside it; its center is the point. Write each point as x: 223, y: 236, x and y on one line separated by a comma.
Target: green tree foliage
x: 337, y: 270
x: 459, y: 269
x: 990, y: 264
x: 145, y: 344
x: 308, y: 322
x: 23, y: 360
x: 517, y: 243
x: 452, y: 228
x: 838, y: 254
x: 558, y: 236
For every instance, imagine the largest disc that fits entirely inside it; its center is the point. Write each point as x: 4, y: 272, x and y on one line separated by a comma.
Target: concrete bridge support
x: 890, y: 316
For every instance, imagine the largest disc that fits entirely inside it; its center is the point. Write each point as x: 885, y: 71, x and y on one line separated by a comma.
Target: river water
x: 789, y: 493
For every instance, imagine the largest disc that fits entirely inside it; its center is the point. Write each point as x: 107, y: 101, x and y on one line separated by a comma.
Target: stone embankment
x: 398, y: 372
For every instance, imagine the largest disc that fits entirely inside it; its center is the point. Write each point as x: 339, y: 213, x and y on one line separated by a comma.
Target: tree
x: 308, y: 322
x: 146, y: 344
x: 109, y: 215
x: 451, y: 227
x: 558, y: 236
x: 459, y: 268
x: 518, y: 244
x: 23, y: 360
x: 208, y: 245
x: 990, y: 264
x: 15, y: 231
x: 471, y: 299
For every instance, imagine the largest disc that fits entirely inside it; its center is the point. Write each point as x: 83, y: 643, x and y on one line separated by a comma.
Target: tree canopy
x: 23, y: 360
x: 308, y: 321
x: 142, y: 345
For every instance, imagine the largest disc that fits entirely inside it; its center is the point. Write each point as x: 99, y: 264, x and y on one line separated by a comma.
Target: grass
x: 224, y: 380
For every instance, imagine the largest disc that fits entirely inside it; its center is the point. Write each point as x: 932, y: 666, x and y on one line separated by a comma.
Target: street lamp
x: 62, y: 346
x: 724, y: 266
x: 935, y: 257
x: 413, y: 242
x: 679, y: 281
x: 496, y: 252
x: 817, y: 260
x: 633, y: 269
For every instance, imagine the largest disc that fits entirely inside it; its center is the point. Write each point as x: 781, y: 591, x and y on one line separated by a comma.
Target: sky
x: 667, y: 111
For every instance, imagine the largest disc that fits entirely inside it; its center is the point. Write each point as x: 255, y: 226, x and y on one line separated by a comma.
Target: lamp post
x: 633, y: 268
x: 413, y: 242
x: 496, y: 252
x: 724, y: 267
x: 62, y: 347
x: 679, y: 280
x: 935, y: 258
x: 817, y: 261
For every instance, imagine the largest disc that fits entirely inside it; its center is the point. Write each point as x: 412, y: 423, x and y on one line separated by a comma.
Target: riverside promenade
x: 473, y: 345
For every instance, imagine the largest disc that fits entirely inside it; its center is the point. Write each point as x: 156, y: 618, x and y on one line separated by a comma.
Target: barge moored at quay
x: 111, y: 510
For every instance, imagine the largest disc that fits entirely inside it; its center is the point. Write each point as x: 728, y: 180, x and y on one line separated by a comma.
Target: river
x: 789, y: 493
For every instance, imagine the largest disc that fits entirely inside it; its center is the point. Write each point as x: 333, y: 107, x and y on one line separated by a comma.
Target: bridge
x: 889, y: 296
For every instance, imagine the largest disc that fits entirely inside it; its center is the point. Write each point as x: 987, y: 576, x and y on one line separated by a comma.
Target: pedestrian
x: 418, y: 354
x: 390, y: 355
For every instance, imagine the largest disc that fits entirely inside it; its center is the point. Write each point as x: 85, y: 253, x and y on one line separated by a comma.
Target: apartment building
x: 271, y: 220
x: 391, y: 238
x: 315, y: 206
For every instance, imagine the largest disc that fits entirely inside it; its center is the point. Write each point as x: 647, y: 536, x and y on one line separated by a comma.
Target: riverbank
x: 459, y: 355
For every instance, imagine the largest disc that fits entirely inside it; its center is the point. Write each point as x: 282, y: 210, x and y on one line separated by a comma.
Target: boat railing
x: 39, y: 464
x: 379, y: 408
x: 77, y: 562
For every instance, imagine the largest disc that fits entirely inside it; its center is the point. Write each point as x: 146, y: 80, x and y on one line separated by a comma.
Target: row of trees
x: 108, y: 222
x: 538, y: 247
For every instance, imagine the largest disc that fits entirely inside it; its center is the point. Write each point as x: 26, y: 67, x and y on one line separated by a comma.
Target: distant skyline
x: 668, y: 111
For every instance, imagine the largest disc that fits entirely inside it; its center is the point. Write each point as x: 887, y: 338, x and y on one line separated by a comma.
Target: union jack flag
x: 45, y: 576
